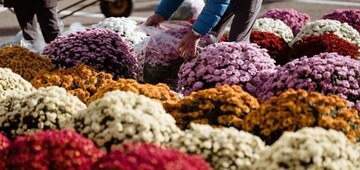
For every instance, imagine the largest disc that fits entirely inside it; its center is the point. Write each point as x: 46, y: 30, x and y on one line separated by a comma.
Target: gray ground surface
x: 144, y: 8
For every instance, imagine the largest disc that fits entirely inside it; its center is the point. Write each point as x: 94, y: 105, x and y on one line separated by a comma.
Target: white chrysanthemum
x: 343, y: 30
x: 223, y: 148
x: 125, y: 116
x: 125, y: 27
x: 12, y: 84
x: 46, y: 108
x: 312, y: 149
x: 277, y: 27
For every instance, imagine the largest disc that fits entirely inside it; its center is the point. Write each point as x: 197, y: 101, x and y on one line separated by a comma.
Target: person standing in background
x: 215, y: 16
x: 46, y: 16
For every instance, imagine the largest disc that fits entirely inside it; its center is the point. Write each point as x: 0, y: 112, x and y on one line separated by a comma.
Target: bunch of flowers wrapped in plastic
x: 140, y: 50
x: 132, y: 156
x: 223, y: 148
x: 326, y: 73
x: 318, y: 27
x: 101, y: 49
x: 326, y: 42
x: 160, y: 92
x: 293, y: 110
x: 277, y: 27
x: 310, y: 148
x: 277, y: 47
x: 125, y: 27
x: 52, y: 150
x: 47, y: 108
x: 12, y: 84
x: 24, y: 62
x: 350, y: 16
x: 120, y: 116
x: 4, y: 144
x: 291, y: 17
x: 80, y: 80
x: 232, y: 63
x: 221, y: 106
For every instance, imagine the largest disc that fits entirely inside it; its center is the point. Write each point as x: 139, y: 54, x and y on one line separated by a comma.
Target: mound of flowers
x: 291, y: 17
x: 47, y: 108
x: 132, y: 156
x: 223, y: 148
x: 221, y: 106
x: 277, y: 47
x: 12, y: 84
x: 123, y: 26
x: 318, y: 27
x: 326, y: 73
x: 326, y: 42
x: 24, y: 62
x: 120, y: 116
x: 4, y: 144
x: 52, y: 150
x: 160, y: 92
x: 232, y: 63
x: 310, y: 148
x: 81, y: 81
x: 102, y: 49
x: 350, y: 16
x: 295, y: 109
x: 277, y: 27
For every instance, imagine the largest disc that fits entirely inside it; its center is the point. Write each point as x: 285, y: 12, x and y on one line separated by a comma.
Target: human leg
x: 48, y: 22
x: 27, y: 21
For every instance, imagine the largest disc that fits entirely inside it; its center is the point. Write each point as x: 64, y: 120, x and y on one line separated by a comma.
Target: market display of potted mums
x: 97, y: 99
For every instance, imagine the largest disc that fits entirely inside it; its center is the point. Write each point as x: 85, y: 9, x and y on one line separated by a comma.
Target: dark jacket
x: 31, y: 3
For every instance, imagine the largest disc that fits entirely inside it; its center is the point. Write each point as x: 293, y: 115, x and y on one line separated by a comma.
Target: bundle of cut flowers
x: 291, y: 17
x: 4, y: 144
x: 277, y: 27
x: 23, y: 61
x: 52, y: 149
x: 189, y: 9
x: 277, y: 47
x: 350, y: 16
x: 123, y: 26
x: 295, y: 109
x: 47, y: 108
x: 232, y: 63
x: 120, y: 116
x: 223, y: 148
x: 12, y: 84
x: 102, y: 49
x: 318, y: 27
x: 160, y: 92
x: 326, y: 42
x: 221, y: 106
x: 326, y: 73
x: 131, y: 156
x: 81, y: 81
x: 140, y: 50
x: 310, y: 148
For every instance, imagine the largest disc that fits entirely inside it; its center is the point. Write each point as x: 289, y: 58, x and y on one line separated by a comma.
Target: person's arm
x: 167, y: 7
x: 210, y: 15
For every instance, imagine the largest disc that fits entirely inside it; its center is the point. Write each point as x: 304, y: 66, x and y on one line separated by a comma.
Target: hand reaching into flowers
x: 154, y: 20
x: 187, y: 46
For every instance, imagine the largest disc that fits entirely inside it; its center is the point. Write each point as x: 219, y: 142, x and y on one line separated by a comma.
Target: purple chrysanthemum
x: 350, y: 16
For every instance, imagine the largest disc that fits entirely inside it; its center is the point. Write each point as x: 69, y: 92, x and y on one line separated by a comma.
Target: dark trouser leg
x: 244, y: 20
x: 48, y: 22
x: 27, y: 21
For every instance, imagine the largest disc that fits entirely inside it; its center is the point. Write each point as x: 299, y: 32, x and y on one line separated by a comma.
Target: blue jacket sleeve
x: 210, y: 15
x: 167, y: 7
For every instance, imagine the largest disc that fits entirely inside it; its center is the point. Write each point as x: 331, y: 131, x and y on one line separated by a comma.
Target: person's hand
x: 187, y: 46
x: 154, y: 20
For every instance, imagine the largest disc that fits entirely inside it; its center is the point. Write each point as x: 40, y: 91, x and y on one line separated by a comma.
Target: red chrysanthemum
x: 276, y: 46
x: 4, y: 143
x: 149, y: 157
x: 52, y: 150
x: 327, y: 42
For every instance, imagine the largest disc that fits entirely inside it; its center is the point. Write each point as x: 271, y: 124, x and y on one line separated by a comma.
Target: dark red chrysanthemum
x: 4, y: 144
x: 149, y: 157
x: 276, y: 46
x: 53, y: 150
x: 327, y: 42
